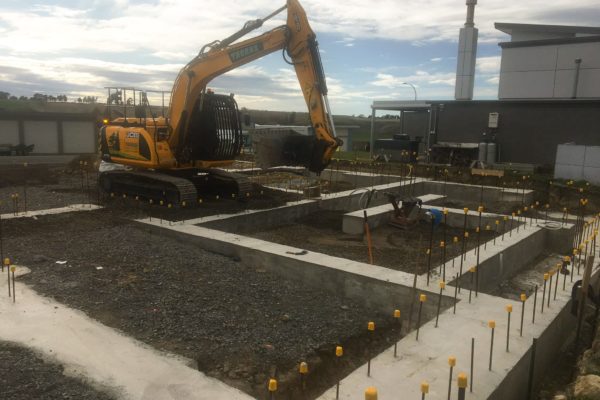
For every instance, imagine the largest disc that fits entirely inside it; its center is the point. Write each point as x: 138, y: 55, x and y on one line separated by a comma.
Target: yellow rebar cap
x: 509, y: 308
x: 13, y: 268
x: 7, y: 261
x: 442, y: 243
x: 452, y: 361
x: 491, y: 323
x: 462, y: 380
x: 371, y: 393
x: 272, y: 385
x: 546, y: 276
x: 442, y: 285
x: 339, y: 351
x: 303, y: 368
x: 423, y: 298
x: 396, y: 313
x: 472, y: 269
x: 371, y: 326
x: 523, y: 297
x: 466, y: 210
x: 425, y: 387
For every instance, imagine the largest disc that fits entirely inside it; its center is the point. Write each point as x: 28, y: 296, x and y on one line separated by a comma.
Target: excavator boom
x: 202, y: 129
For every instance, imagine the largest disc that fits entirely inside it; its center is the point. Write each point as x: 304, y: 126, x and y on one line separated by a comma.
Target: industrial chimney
x: 467, y: 53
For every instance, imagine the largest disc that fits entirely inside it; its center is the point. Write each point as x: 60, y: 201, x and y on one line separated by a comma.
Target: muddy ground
x: 24, y: 375
x: 240, y: 323
x: 394, y: 248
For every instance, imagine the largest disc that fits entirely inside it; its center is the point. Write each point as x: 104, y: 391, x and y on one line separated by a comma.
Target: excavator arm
x: 298, y: 40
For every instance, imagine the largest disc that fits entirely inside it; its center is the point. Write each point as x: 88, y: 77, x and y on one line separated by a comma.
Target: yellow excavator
x: 175, y: 156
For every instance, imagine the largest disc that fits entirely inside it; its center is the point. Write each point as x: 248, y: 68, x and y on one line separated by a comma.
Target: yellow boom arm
x: 296, y: 38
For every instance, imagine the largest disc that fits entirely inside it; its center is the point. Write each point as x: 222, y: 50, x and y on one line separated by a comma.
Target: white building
x: 549, y: 62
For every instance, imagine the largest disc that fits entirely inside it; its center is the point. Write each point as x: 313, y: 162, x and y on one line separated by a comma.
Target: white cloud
x: 488, y: 65
x: 148, y: 43
x: 419, y: 78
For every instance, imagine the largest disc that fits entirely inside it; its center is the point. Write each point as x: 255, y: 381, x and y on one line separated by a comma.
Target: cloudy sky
x: 369, y: 47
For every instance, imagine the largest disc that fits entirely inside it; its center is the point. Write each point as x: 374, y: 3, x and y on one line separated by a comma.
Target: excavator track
x: 237, y: 183
x: 175, y: 189
x: 149, y: 185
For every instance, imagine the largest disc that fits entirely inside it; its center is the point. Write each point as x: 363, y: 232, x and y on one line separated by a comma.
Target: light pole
x: 412, y: 86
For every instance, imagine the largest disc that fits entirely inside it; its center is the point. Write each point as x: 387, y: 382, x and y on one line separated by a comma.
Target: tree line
x: 61, y: 98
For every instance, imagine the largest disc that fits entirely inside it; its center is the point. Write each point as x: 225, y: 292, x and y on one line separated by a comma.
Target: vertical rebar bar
x: 472, y: 362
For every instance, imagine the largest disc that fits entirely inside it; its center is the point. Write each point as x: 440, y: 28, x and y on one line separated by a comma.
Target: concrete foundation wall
x: 515, y: 384
x: 470, y: 193
x: 261, y: 220
x: 375, y: 293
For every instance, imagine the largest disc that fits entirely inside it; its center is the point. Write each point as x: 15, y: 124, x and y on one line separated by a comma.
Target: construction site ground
x: 396, y: 248
x: 237, y: 322
x: 25, y: 375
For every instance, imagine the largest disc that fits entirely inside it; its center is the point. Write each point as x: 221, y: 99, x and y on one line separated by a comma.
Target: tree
x: 79, y: 100
x: 13, y: 98
x: 23, y: 98
x: 4, y: 95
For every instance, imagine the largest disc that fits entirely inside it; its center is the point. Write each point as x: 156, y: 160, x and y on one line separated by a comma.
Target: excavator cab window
x: 214, y: 131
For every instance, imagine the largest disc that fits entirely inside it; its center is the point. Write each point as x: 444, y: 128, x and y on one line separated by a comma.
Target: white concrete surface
x: 51, y: 211
x: 100, y: 354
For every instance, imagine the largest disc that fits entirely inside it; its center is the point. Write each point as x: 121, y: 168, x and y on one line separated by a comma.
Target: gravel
x: 240, y: 323
x: 24, y: 376
x: 400, y: 249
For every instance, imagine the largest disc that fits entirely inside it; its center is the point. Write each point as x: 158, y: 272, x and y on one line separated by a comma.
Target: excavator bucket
x: 285, y: 147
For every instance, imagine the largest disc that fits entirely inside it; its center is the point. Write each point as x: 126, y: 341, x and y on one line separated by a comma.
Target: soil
x: 240, y: 323
x: 62, y: 189
x: 24, y: 376
x: 79, y: 187
x: 394, y: 248
x: 299, y: 182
